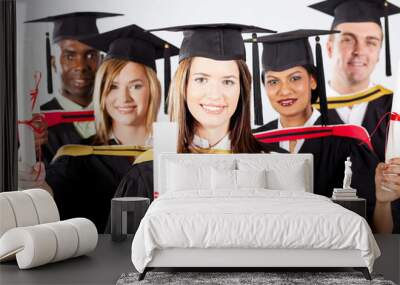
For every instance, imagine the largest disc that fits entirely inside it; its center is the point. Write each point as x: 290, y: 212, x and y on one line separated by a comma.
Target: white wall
x: 280, y: 15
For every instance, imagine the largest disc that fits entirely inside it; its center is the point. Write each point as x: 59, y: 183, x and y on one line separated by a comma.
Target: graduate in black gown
x: 292, y: 83
x: 75, y: 63
x: 352, y: 95
x: 83, y: 179
x: 210, y: 119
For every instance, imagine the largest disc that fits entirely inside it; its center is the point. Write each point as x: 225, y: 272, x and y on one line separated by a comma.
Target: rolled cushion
x: 66, y: 237
x: 7, y: 218
x: 26, y: 208
x: 87, y: 235
x: 45, y: 205
x: 33, y: 246
x: 40, y: 244
x: 23, y: 208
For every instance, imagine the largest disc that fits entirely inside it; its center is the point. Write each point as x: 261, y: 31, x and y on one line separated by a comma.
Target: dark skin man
x: 78, y: 63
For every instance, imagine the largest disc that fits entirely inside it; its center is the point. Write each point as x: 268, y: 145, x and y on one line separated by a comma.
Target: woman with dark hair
x: 292, y: 83
x: 209, y: 96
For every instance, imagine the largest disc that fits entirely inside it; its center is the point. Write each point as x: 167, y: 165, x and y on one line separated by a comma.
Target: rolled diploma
x: 393, y: 139
x: 26, y: 137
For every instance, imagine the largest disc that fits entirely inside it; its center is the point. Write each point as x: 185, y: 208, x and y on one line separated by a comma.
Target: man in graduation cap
x: 75, y: 63
x: 352, y: 96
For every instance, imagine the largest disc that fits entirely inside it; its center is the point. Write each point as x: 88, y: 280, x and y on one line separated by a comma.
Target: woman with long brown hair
x: 209, y: 96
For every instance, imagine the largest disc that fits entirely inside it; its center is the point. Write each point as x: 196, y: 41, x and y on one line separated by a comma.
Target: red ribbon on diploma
x: 351, y: 131
x: 60, y: 117
x: 35, y: 92
x: 395, y: 116
x: 56, y: 118
x: 31, y: 123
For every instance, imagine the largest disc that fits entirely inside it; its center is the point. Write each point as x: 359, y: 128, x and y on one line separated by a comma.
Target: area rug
x: 232, y: 278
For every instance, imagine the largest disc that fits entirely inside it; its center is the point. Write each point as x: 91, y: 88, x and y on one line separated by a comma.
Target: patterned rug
x: 231, y: 278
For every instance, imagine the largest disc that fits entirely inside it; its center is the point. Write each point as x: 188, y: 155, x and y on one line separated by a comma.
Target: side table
x: 357, y: 205
x: 126, y: 214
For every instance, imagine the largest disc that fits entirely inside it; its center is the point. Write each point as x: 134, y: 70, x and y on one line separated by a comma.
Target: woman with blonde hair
x: 113, y: 118
x: 210, y: 93
x: 83, y: 179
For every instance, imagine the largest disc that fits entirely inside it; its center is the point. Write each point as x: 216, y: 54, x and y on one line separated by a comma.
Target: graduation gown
x: 330, y: 153
x: 83, y: 186
x: 376, y: 109
x: 58, y: 135
x: 139, y: 182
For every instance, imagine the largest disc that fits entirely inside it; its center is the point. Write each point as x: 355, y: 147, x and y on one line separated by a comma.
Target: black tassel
x: 387, y: 47
x: 321, y: 84
x: 167, y: 76
x: 258, y: 110
x: 48, y: 66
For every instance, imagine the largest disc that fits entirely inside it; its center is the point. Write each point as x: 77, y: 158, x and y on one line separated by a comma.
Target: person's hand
x: 31, y: 176
x: 387, y: 181
x: 42, y: 136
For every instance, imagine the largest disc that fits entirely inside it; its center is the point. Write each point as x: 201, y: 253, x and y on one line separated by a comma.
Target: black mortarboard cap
x: 286, y: 50
x: 74, y: 25
x: 355, y: 11
x: 135, y: 44
x: 131, y: 43
x: 221, y: 41
x: 70, y: 26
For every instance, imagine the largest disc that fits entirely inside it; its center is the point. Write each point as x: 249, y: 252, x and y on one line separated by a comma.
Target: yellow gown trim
x: 209, y: 151
x: 144, y: 157
x: 115, y: 150
x: 350, y: 100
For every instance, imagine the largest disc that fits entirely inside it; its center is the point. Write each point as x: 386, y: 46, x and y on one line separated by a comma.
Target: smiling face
x: 128, y: 98
x: 289, y: 92
x: 355, y: 51
x: 79, y: 63
x: 213, y: 91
